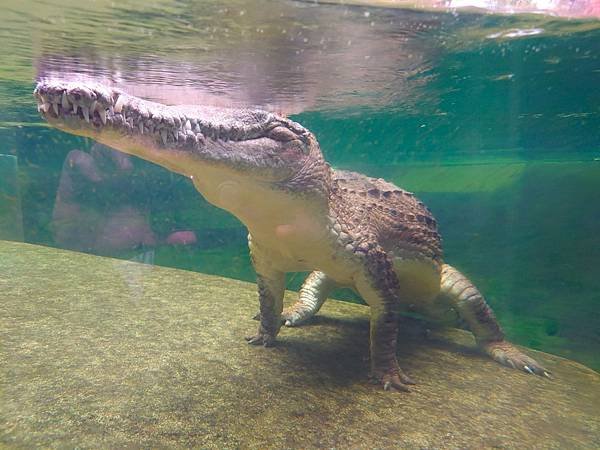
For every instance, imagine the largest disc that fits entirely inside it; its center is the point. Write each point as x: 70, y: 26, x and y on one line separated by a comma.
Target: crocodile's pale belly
x: 418, y: 276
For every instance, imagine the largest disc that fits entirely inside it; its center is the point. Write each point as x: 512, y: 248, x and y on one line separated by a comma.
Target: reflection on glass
x: 11, y: 221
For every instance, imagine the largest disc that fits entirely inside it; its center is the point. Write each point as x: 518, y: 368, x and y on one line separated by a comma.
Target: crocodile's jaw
x: 236, y: 158
x: 270, y: 147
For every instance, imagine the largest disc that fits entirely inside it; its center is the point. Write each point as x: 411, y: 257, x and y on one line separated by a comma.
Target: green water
x: 499, y: 135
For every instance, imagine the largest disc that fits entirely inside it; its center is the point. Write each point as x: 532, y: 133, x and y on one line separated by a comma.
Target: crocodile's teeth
x: 119, y: 104
x: 188, y: 125
x: 93, y: 106
x: 141, y: 126
x: 102, y: 114
x: 86, y: 113
x: 75, y: 106
x: 45, y: 107
x: 65, y: 101
x: 163, y: 135
x: 55, y: 107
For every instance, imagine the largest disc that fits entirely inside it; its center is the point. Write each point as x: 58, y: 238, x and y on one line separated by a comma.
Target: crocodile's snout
x: 89, y: 107
x: 93, y: 104
x: 85, y: 107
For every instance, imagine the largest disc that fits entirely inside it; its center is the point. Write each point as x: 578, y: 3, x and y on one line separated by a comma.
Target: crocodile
x: 343, y: 227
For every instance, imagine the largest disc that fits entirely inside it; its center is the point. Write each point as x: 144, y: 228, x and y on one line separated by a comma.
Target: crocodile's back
x: 401, y: 222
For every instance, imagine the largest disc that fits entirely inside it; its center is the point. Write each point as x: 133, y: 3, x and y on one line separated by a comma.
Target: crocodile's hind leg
x: 313, y: 294
x: 480, y: 319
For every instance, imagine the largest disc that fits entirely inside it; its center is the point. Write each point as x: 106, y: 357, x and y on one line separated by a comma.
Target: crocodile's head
x: 250, y: 143
x: 250, y: 162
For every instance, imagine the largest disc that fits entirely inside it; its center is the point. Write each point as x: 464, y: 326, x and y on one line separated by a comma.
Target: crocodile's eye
x: 282, y: 134
x: 295, y: 150
x: 304, y: 148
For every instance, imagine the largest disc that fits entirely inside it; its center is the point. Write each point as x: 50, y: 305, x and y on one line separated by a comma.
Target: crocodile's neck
x: 270, y: 213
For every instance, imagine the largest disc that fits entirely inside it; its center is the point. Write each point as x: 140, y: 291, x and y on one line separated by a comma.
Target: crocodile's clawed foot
x: 393, y: 380
x: 261, y: 338
x: 291, y: 317
x: 507, y: 354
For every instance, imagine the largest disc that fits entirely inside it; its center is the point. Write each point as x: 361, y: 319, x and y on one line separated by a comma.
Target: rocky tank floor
x: 102, y: 353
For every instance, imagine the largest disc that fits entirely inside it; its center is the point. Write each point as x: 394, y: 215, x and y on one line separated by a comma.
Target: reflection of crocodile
x: 268, y: 171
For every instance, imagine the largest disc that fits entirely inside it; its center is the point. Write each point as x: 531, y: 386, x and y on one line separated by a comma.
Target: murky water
x: 494, y: 121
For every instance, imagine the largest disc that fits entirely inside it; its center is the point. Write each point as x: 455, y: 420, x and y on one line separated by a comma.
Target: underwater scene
x: 486, y: 112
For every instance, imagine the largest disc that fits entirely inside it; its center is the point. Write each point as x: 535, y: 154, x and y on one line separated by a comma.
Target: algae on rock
x: 103, y: 353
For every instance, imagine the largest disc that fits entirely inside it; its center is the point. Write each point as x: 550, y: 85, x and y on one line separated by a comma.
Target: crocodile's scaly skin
x: 348, y: 229
x: 373, y: 210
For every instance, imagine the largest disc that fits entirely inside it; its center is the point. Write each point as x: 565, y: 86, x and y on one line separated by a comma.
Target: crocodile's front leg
x: 271, y: 287
x: 480, y: 319
x: 379, y: 287
x: 313, y: 293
